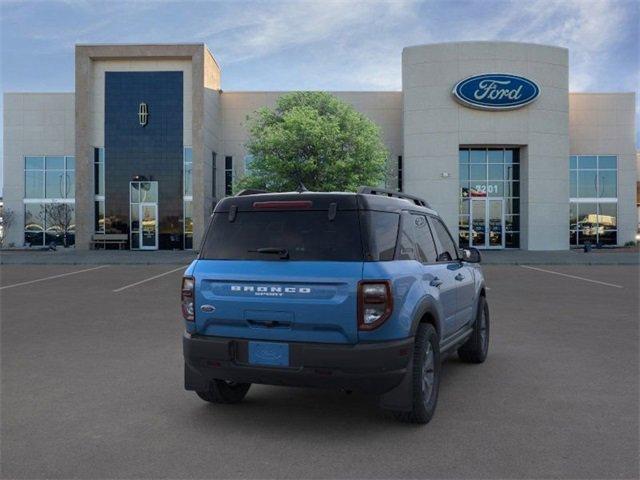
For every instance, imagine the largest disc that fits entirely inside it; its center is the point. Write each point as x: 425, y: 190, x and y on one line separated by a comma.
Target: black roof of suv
x: 366, y: 198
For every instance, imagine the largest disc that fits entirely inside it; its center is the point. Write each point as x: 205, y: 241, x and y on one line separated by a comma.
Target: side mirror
x: 471, y: 255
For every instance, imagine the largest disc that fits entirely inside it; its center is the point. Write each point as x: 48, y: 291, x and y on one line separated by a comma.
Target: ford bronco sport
x: 357, y: 291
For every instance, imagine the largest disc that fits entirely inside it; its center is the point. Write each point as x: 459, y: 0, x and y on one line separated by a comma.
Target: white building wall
x: 604, y: 124
x: 34, y: 124
x: 435, y: 126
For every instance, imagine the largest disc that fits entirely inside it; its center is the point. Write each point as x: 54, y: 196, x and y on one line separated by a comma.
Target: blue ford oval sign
x: 496, y: 91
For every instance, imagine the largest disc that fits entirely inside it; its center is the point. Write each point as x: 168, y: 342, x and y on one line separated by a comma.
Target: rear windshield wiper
x: 283, y: 252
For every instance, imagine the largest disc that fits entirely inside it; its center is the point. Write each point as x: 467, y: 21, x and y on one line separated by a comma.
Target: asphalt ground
x: 92, y: 388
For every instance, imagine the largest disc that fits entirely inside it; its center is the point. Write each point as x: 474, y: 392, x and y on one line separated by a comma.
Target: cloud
x: 251, y: 32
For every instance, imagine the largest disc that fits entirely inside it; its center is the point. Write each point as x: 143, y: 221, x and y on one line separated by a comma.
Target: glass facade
x: 489, y: 198
x: 145, y: 151
x: 49, y: 198
x: 593, y: 211
x: 187, y: 207
x: 98, y: 183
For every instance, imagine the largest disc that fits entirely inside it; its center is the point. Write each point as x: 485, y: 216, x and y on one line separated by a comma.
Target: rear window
x: 304, y: 235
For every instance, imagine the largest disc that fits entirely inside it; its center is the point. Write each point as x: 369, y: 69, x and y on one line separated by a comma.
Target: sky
x: 317, y: 45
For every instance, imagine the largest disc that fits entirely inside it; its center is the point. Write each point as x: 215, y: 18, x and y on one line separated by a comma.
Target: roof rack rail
x: 249, y: 191
x: 390, y: 193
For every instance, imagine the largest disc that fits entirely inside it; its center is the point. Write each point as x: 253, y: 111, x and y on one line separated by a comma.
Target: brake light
x: 283, y: 204
x: 187, y: 298
x: 375, y: 303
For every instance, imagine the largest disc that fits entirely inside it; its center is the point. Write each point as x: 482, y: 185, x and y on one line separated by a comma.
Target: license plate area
x: 269, y: 354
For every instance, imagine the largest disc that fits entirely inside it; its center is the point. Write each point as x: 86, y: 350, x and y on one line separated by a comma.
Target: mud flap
x: 193, y: 380
x: 400, y: 399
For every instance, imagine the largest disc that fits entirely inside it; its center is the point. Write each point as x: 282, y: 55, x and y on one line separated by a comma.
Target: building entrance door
x: 144, y: 215
x: 487, y: 223
x: 148, y: 226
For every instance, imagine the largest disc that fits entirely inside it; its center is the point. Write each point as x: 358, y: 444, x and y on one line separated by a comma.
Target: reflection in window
x: 593, y: 181
x: 98, y: 171
x: 98, y: 222
x: 49, y: 191
x: 49, y: 177
x: 188, y: 171
x: 187, y: 198
x: 485, y: 173
x: 49, y: 223
x: 188, y: 225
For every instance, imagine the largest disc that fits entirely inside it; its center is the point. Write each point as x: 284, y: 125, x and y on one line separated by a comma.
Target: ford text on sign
x: 496, y: 91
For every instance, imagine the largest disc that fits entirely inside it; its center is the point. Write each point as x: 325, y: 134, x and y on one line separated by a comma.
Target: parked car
x: 358, y: 291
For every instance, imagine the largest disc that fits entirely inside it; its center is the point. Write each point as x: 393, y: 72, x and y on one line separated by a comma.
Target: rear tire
x: 425, y: 376
x: 222, y: 391
x: 476, y: 348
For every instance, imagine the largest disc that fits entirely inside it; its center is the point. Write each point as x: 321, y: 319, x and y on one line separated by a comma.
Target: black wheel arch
x: 427, y: 313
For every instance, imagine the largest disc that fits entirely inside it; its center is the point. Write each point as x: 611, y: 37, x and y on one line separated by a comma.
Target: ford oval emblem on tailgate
x: 207, y: 308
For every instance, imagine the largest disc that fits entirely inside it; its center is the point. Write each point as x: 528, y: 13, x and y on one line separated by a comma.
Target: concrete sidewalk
x: 71, y: 256
x: 620, y: 256
x: 614, y: 256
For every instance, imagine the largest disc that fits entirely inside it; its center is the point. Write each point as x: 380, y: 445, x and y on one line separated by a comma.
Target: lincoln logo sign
x: 143, y: 114
x: 496, y: 91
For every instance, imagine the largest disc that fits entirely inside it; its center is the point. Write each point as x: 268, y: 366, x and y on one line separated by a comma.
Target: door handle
x: 436, y: 282
x: 459, y: 277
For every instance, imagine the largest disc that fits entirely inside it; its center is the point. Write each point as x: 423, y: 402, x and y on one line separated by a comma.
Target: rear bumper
x: 367, y: 367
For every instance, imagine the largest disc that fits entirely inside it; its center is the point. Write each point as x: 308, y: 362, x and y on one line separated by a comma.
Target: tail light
x: 187, y: 297
x: 375, y: 303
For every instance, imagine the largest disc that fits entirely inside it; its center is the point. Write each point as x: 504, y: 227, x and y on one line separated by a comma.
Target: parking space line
x: 573, y: 276
x: 149, y: 279
x: 52, y: 277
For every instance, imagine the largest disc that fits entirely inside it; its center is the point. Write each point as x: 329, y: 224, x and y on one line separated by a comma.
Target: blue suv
x: 358, y: 291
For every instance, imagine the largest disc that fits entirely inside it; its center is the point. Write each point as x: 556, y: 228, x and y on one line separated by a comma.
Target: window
x: 187, y: 157
x: 187, y: 196
x: 406, y: 239
x: 50, y: 177
x: 399, y: 173
x: 382, y: 228
x: 426, y: 249
x: 228, y: 175
x: 446, y: 246
x: 593, y: 187
x: 188, y: 225
x: 98, y: 189
x: 305, y: 235
x: 487, y: 173
x: 49, y: 198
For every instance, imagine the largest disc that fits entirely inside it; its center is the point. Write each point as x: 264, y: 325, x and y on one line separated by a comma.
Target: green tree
x: 313, y: 138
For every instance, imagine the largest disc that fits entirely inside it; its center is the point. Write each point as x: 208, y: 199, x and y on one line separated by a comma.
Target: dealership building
x: 487, y: 132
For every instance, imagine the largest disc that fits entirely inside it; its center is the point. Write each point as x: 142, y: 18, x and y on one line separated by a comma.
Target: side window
x: 406, y: 249
x: 447, y: 251
x: 383, y: 228
x: 424, y: 241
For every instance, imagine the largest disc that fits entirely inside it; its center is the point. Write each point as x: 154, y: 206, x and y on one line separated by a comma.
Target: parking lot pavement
x: 92, y: 388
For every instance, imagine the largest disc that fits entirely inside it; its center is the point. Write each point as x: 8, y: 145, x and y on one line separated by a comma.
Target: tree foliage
x: 316, y: 139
